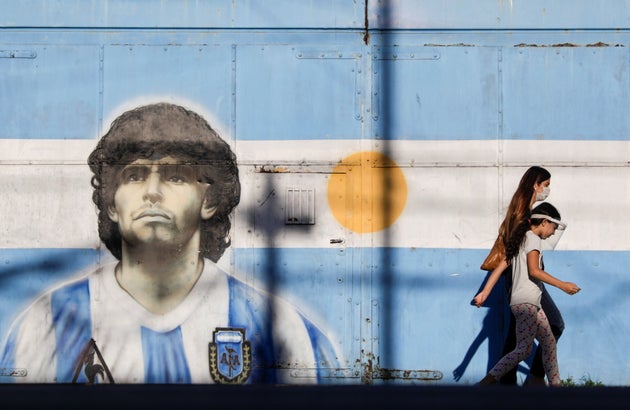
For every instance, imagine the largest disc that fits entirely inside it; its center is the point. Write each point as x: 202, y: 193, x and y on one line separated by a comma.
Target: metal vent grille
x: 300, y: 206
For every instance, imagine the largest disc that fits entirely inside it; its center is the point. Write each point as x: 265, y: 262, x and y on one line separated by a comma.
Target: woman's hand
x: 570, y: 288
x: 480, y: 298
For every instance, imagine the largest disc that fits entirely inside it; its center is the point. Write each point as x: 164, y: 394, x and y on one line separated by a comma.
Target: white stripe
x: 411, y: 153
x: 53, y: 152
x: 457, y: 192
x: 406, y: 153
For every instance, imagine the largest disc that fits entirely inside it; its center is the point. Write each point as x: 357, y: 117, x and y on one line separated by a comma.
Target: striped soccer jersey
x: 137, y: 346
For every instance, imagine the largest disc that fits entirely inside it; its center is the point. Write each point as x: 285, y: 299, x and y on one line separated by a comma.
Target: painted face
x: 159, y: 202
x: 542, y: 190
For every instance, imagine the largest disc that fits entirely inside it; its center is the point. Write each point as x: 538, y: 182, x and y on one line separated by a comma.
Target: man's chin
x: 158, y: 241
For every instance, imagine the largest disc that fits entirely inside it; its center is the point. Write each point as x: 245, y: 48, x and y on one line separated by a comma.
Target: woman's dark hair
x: 518, y: 209
x: 156, y: 131
x: 514, y: 243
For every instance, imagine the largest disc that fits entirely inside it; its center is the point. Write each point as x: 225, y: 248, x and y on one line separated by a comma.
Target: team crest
x: 230, y: 356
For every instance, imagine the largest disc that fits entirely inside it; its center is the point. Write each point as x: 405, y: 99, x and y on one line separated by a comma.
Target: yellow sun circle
x: 367, y: 192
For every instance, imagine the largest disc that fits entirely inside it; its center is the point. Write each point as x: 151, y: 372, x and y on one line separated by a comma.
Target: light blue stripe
x: 72, y: 322
x: 292, y: 15
x: 325, y: 356
x: 7, y: 358
x: 164, y: 357
x: 27, y: 273
x: 418, y: 301
x: 421, y: 302
x: 248, y: 309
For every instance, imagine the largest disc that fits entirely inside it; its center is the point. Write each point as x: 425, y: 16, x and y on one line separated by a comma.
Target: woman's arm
x: 492, y: 280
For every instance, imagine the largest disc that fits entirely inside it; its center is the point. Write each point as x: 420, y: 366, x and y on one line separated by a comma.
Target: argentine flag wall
x: 376, y: 165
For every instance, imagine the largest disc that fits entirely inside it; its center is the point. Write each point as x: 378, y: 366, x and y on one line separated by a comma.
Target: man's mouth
x: 153, y: 213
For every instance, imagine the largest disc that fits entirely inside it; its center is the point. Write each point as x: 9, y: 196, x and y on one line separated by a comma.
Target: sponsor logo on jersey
x: 92, y: 366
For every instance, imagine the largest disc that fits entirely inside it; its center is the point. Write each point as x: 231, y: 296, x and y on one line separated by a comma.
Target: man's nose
x: 153, y: 192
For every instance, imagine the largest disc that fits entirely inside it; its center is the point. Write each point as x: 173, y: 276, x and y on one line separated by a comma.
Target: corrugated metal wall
x: 461, y: 98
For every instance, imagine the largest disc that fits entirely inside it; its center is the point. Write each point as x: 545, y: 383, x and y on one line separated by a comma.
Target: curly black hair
x: 156, y: 131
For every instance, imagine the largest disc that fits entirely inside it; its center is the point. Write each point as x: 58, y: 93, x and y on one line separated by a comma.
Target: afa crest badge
x: 230, y: 356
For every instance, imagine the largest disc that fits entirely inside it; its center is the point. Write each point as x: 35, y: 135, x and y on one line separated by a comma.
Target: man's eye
x: 133, y: 175
x: 178, y: 174
x: 177, y: 179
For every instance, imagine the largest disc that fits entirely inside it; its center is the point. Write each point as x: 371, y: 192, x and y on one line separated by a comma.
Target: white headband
x: 560, y: 224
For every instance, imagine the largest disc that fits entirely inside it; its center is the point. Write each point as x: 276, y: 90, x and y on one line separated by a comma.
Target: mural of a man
x: 165, y: 185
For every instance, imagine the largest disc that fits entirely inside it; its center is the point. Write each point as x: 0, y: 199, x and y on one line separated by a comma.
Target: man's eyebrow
x: 128, y: 166
x: 160, y: 166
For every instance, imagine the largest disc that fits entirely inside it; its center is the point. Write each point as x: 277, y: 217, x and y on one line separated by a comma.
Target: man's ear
x: 113, y: 215
x: 207, y: 211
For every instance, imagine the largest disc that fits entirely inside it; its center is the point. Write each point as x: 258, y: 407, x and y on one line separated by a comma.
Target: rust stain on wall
x: 598, y: 44
x: 271, y: 169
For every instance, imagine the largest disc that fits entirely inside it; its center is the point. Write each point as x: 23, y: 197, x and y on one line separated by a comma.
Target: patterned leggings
x: 531, y: 322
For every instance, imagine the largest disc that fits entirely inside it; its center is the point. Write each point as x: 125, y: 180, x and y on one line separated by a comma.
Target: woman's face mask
x: 541, y: 196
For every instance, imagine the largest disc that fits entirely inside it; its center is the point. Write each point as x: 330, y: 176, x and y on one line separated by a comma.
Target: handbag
x: 496, y: 255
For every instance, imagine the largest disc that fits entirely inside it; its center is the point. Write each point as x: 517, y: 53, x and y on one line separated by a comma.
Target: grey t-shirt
x: 526, y: 289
